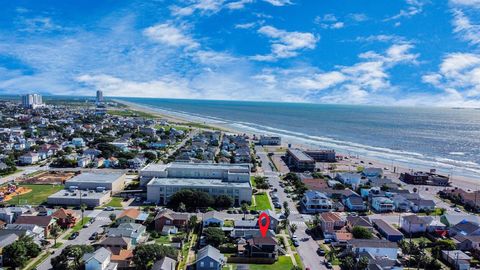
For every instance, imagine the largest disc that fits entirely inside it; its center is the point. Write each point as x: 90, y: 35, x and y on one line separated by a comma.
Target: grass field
x: 283, y: 263
x: 115, y: 202
x: 252, y: 181
x: 130, y: 113
x: 261, y: 202
x: 298, y: 260
x: 38, y: 195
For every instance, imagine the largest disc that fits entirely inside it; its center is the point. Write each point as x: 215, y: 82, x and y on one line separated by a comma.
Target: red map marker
x: 264, y: 225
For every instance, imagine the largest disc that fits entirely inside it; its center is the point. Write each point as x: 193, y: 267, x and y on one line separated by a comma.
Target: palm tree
x: 244, y: 210
x: 82, y: 208
x: 293, y: 228
x: 286, y: 212
x: 55, y: 232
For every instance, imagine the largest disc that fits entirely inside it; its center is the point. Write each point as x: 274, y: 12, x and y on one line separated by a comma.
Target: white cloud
x: 286, y: 44
x: 170, y: 35
x: 166, y: 86
x: 329, y: 21
x: 381, y: 38
x: 202, y: 6
x: 238, y: 4
x: 279, y: 3
x: 245, y: 25
x: 413, y: 8
x: 468, y: 3
x: 464, y: 27
x: 39, y: 25
x: 358, y: 17
x: 318, y: 81
x: 458, y: 73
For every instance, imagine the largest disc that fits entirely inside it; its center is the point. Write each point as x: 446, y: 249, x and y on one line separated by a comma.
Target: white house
x: 99, y: 260
x: 376, y: 247
x: 413, y: 224
x: 382, y: 204
x: 352, y: 179
x: 29, y: 158
x: 212, y: 218
x: 315, y: 202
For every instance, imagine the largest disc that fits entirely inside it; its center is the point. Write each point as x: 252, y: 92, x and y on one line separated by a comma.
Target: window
x: 211, y: 264
x: 202, y: 264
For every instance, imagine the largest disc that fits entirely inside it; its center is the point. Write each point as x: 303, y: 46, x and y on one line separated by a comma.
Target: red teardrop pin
x: 264, y: 225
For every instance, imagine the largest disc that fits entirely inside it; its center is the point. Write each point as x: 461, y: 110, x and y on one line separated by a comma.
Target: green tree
x: 361, y: 233
x: 244, y: 210
x: 192, y: 222
x: 15, y: 255
x: 362, y: 263
x: 214, y: 236
x: 145, y: 255
x: 55, y: 232
x: 182, y: 207
x: 293, y: 228
x: 112, y: 217
x: 82, y: 209
x: 71, y: 257
x: 347, y: 263
x: 223, y: 201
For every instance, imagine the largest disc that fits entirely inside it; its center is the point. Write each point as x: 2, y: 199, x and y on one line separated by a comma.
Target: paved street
x: 307, y: 249
x: 101, y: 218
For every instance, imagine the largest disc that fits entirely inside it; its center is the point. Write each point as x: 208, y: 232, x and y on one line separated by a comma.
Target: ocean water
x: 447, y: 139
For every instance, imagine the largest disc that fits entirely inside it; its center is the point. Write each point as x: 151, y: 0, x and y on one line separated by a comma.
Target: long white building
x: 163, y: 180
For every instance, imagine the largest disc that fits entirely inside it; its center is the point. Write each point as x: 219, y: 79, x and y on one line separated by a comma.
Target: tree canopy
x: 145, y: 255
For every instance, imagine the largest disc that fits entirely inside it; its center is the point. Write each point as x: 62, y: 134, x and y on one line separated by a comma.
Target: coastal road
x: 101, y: 218
x: 267, y: 166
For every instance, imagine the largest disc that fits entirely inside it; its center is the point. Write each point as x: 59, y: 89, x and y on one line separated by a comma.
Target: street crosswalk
x: 298, y: 223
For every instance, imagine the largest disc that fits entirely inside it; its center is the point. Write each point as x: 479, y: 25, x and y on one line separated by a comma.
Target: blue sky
x: 391, y: 52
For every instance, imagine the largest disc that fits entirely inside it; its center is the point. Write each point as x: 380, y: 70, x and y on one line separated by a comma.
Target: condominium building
x: 297, y: 160
x: 163, y: 180
x: 32, y: 101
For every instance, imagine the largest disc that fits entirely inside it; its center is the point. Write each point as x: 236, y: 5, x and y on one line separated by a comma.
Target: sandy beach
x: 352, y: 162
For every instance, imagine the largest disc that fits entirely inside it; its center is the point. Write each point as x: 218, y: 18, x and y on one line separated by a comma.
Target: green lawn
x: 164, y: 239
x: 252, y: 181
x: 130, y: 113
x: 115, y: 202
x: 283, y: 263
x: 78, y: 226
x: 261, y: 202
x: 42, y: 258
x: 298, y: 260
x: 38, y: 195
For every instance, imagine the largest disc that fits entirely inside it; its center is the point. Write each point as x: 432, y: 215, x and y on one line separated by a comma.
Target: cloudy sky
x: 390, y: 52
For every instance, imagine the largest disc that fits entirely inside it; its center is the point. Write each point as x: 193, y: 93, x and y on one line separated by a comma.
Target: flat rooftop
x: 62, y: 194
x: 197, y: 182
x: 96, y: 177
x: 194, y: 166
x: 300, y: 155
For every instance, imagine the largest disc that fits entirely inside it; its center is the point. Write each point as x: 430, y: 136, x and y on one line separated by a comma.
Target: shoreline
x: 461, y: 181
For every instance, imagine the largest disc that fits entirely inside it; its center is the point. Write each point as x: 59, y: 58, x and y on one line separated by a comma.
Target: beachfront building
x: 425, y: 178
x: 164, y: 180
x: 297, y: 160
x: 270, y: 140
x: 322, y: 155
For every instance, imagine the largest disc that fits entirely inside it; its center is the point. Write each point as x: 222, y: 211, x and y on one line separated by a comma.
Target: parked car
x: 320, y: 252
x: 73, y: 236
x: 93, y: 236
x: 295, y: 243
x: 109, y: 208
x: 86, y: 225
x: 328, y: 265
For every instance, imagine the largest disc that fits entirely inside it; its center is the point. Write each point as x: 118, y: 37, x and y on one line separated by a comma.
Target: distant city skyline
x: 408, y: 52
